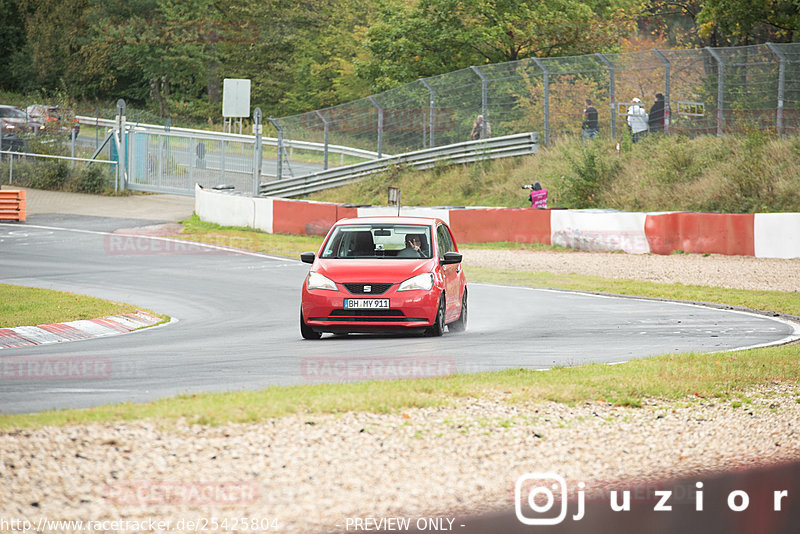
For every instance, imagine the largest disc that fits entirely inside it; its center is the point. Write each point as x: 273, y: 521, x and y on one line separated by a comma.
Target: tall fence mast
x: 541, y: 65
x: 781, y: 81
x: 720, y: 89
x: 611, y: 93
x: 484, y: 100
x: 432, y: 119
x: 666, y: 88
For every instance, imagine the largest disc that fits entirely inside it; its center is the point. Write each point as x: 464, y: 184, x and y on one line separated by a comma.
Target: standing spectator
x: 656, y: 118
x: 589, y: 125
x: 477, y: 129
x: 637, y: 119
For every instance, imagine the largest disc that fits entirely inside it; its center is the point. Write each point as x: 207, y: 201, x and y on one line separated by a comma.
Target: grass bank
x: 753, y: 173
x: 28, y: 306
x: 724, y: 376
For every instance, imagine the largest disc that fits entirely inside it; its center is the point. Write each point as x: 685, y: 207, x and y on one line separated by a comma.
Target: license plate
x: 366, y: 304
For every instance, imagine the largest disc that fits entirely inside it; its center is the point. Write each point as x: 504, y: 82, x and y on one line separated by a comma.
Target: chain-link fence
x: 706, y: 91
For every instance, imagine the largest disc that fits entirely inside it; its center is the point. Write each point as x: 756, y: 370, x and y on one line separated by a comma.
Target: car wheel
x: 460, y: 324
x: 437, y: 328
x: 306, y: 331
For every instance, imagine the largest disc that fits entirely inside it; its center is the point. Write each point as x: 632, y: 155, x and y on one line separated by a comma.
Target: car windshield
x: 389, y: 241
x: 11, y: 113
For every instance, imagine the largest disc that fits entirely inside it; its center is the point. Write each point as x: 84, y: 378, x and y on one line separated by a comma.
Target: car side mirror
x: 307, y: 257
x: 451, y: 257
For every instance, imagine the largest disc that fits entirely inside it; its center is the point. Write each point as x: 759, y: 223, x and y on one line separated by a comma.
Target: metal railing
x: 11, y: 154
x: 208, y: 134
x: 470, y: 151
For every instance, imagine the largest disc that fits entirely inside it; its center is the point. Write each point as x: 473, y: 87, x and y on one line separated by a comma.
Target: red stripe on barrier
x: 9, y: 338
x: 517, y: 225
x: 65, y: 331
x: 701, y: 233
x: 307, y: 218
x: 113, y: 325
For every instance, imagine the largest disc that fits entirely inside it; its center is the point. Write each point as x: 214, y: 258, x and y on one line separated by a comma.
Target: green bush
x: 591, y: 172
x: 53, y: 176
x: 92, y: 179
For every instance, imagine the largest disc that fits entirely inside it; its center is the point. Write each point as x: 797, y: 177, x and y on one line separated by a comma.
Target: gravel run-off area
x: 309, y: 473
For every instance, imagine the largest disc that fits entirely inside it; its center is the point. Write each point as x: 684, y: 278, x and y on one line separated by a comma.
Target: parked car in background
x: 12, y: 142
x: 15, y: 121
x: 54, y: 118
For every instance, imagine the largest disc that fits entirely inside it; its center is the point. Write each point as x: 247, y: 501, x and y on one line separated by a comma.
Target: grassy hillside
x: 732, y: 174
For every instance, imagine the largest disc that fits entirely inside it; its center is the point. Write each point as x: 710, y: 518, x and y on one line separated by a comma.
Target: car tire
x: 306, y: 331
x: 460, y: 324
x: 437, y: 328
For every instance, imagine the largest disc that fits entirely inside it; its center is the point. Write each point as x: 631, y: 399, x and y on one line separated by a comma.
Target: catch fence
x: 707, y: 91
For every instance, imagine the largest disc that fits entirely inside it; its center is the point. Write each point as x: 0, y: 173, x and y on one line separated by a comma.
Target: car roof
x: 391, y: 220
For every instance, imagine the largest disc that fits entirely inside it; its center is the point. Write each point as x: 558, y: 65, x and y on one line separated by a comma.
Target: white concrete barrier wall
x: 410, y: 211
x: 777, y: 235
x: 262, y: 219
x: 224, y: 208
x: 599, y: 231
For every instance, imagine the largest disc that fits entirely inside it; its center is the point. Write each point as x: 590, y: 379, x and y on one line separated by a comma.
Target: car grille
x: 375, y: 288
x: 364, y: 316
x: 371, y: 313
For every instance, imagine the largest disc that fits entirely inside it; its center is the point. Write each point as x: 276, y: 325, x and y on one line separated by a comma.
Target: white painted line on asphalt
x: 181, y: 242
x: 794, y: 336
x: 81, y: 390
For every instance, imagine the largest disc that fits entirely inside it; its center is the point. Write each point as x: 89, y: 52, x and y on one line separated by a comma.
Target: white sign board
x: 235, y: 98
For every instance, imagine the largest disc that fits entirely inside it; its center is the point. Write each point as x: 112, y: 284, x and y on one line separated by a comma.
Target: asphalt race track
x: 236, y: 322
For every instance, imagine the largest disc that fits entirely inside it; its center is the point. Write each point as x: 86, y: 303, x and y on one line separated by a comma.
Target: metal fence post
x: 191, y: 158
x: 119, y: 141
x: 611, y: 93
x: 484, y: 100
x: 325, y: 140
x: 542, y: 66
x: 380, y: 125
x: 781, y: 81
x: 279, y: 169
x: 257, y: 151
x: 432, y: 118
x: 666, y: 88
x: 720, y: 88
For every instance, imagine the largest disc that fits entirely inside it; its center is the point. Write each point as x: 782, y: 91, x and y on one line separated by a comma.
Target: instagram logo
x: 534, y: 498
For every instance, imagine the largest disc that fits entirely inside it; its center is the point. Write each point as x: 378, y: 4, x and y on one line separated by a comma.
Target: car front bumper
x: 323, y: 310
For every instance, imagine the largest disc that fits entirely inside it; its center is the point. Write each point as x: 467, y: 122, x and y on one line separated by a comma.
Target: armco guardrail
x: 497, y: 147
x: 207, y: 134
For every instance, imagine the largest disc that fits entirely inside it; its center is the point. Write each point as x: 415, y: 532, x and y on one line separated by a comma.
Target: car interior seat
x: 362, y: 244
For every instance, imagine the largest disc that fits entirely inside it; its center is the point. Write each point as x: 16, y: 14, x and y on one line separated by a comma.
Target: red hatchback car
x: 382, y: 274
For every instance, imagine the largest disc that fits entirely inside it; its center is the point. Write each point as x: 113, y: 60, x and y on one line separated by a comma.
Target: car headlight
x: 422, y: 282
x: 317, y: 281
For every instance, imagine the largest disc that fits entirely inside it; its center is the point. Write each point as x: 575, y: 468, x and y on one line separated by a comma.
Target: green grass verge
x: 725, y: 376
x: 278, y: 244
x: 29, y: 306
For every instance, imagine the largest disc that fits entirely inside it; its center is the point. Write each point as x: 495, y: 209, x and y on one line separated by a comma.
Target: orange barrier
x: 702, y: 233
x: 307, y: 218
x: 486, y: 225
x: 12, y: 205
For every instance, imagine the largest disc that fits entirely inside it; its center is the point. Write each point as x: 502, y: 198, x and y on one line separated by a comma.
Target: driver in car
x: 412, y: 250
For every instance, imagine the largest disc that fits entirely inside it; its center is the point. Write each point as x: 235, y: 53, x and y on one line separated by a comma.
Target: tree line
x: 170, y: 56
